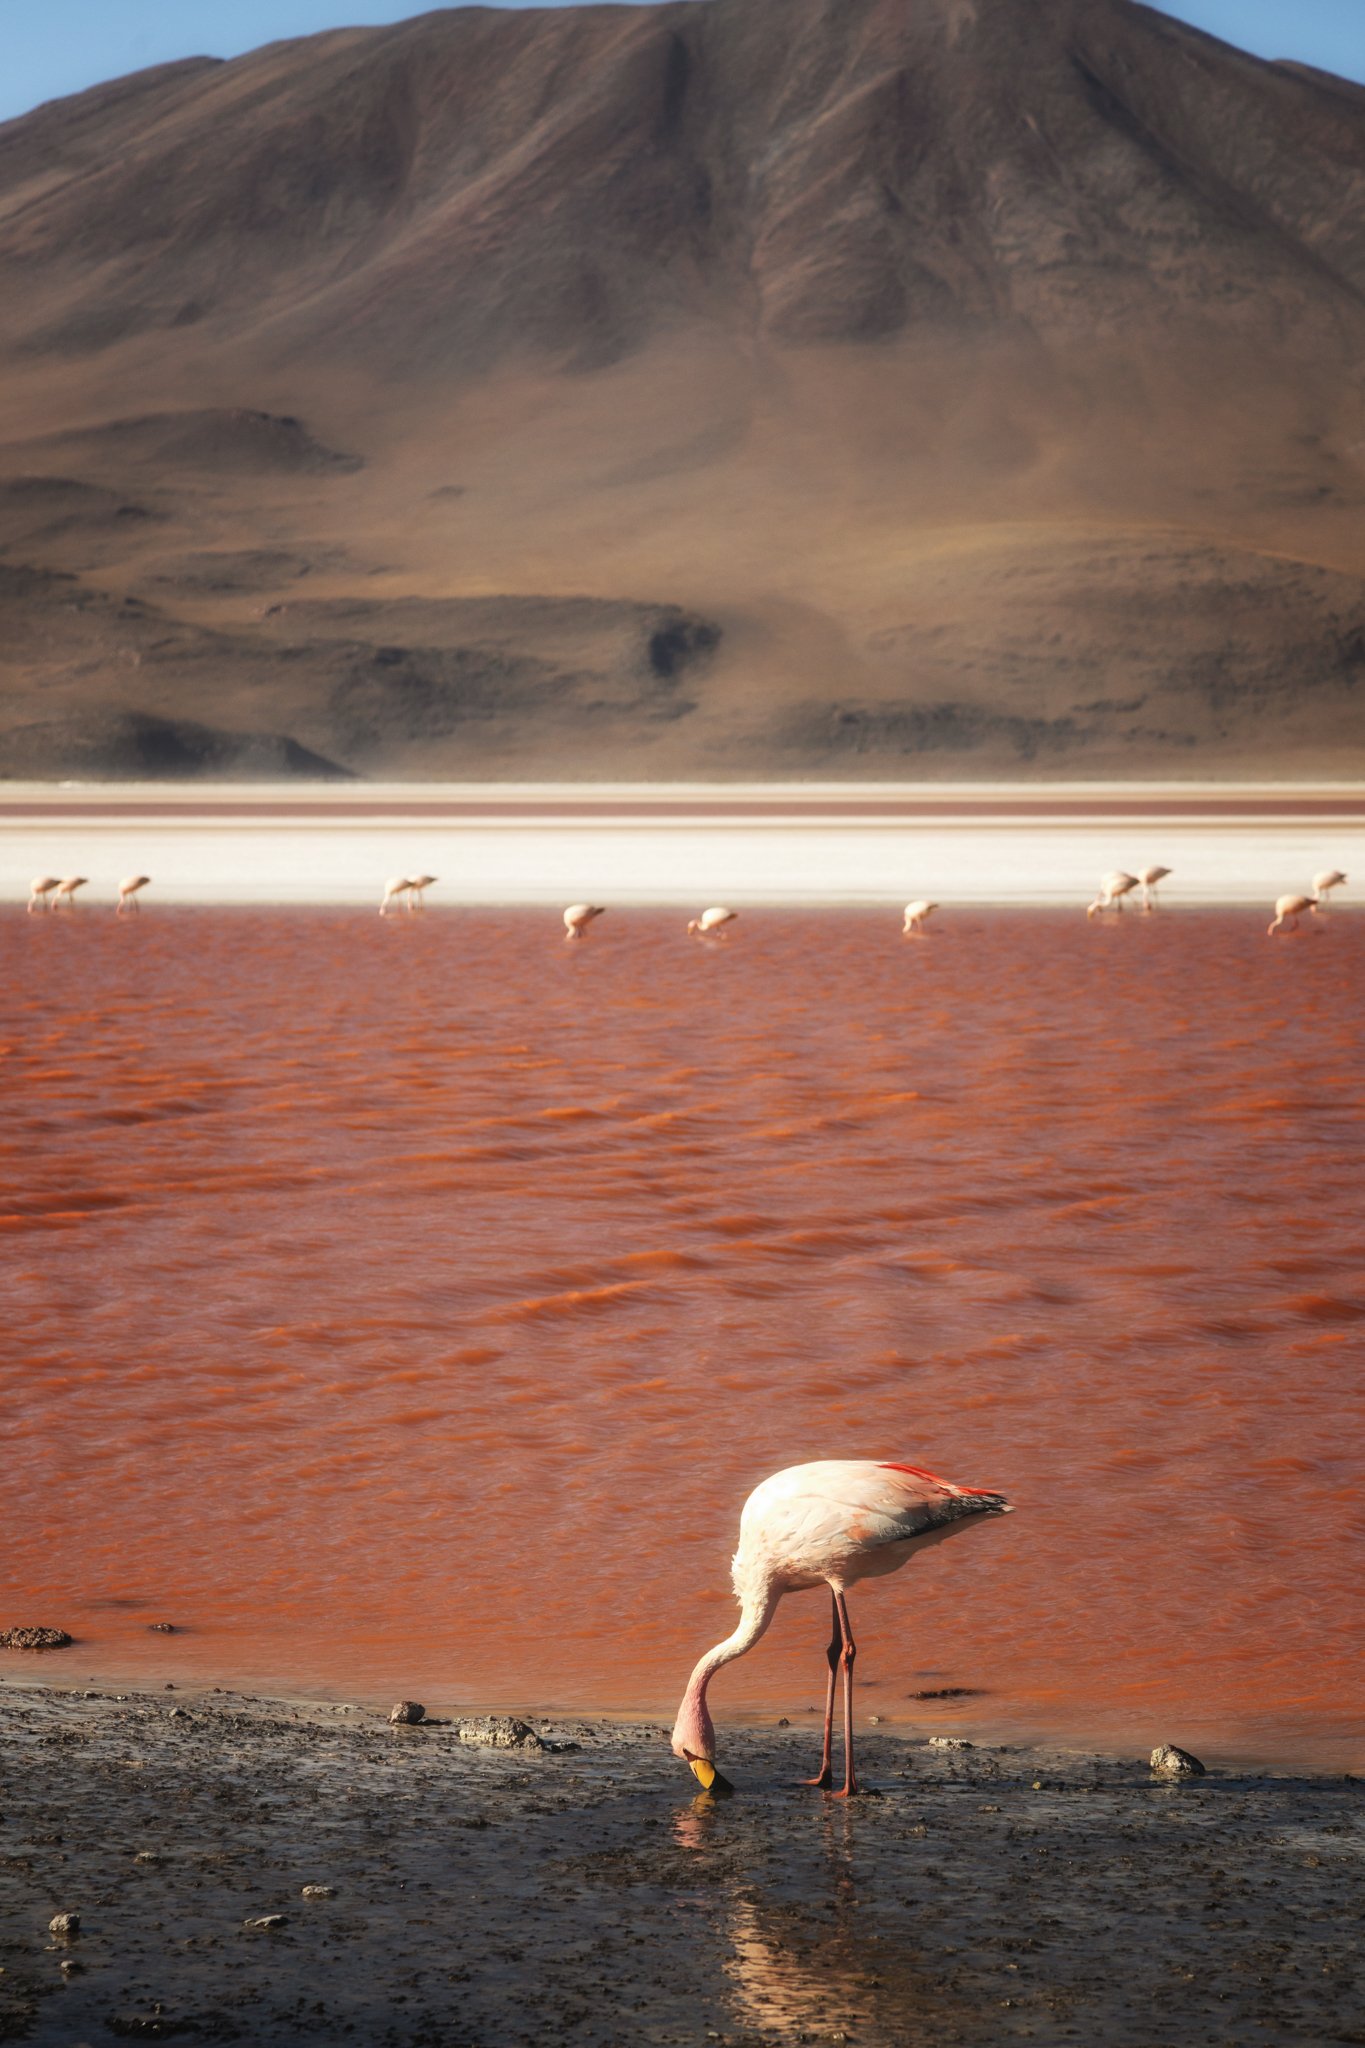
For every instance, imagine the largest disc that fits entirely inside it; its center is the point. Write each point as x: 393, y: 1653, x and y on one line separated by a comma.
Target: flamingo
x: 579, y: 916
x: 1288, y: 910
x: 396, y: 886
x: 415, y: 884
x: 1323, y: 884
x: 915, y: 914
x: 127, y: 893
x: 711, y: 920
x: 830, y: 1523
x: 1113, y: 888
x: 39, y: 889
x: 1147, y: 880
x: 66, y: 889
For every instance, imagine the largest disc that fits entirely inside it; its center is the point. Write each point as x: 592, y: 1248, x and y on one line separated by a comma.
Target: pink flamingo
x: 66, y: 890
x: 416, y: 886
x: 127, y: 893
x: 711, y: 920
x: 1113, y: 888
x: 1147, y: 881
x: 1288, y: 910
x: 1324, y: 883
x: 831, y: 1524
x: 579, y: 916
x: 396, y: 886
x: 915, y: 914
x: 39, y: 889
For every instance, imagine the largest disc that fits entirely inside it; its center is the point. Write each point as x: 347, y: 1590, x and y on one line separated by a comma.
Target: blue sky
x: 51, y: 47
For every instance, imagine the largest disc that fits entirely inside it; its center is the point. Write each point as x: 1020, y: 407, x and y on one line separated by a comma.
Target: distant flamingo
x: 66, y: 889
x: 39, y: 889
x: 579, y: 916
x: 711, y: 920
x: 1323, y: 884
x: 416, y: 884
x: 1288, y: 910
x: 396, y: 886
x: 127, y: 893
x: 1114, y: 887
x: 1148, y: 879
x: 915, y: 914
x: 832, y: 1524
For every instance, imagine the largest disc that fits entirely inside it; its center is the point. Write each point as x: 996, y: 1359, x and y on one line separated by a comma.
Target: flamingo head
x: 694, y: 1740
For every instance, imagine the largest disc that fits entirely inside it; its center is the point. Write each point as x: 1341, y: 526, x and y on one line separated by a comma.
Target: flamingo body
x: 915, y: 914
x: 415, y: 886
x: 711, y: 920
x: 67, y: 887
x: 127, y: 893
x: 1324, y: 883
x: 833, y: 1523
x: 1113, y: 888
x: 1288, y: 910
x: 39, y: 889
x: 394, y: 888
x: 579, y: 916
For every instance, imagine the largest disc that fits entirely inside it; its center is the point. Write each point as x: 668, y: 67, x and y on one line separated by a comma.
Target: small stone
x: 409, y: 1712
x: 782, y: 1723
x: 500, y: 1731
x: 179, y: 1714
x: 319, y: 1891
x: 162, y: 1628
x: 1176, y: 1763
x: 875, y: 1720
x: 949, y: 1742
x: 34, y: 1639
x: 149, y: 1856
x: 64, y: 1924
x: 266, y: 1922
x: 69, y: 1967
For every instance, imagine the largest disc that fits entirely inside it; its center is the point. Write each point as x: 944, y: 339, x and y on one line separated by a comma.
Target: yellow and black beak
x: 709, y: 1778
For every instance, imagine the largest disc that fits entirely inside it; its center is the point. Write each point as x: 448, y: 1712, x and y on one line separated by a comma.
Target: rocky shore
x: 262, y: 1871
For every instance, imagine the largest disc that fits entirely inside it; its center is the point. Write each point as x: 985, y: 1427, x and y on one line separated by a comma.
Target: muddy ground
x: 588, y: 1896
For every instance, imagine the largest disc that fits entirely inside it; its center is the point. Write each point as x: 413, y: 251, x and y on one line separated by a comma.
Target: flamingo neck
x: 693, y: 1729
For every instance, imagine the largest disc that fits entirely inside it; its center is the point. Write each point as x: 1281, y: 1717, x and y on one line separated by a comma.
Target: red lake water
x: 404, y: 1308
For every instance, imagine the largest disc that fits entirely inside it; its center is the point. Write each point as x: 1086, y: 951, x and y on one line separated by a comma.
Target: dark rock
x: 499, y: 1731
x: 407, y: 1712
x: 34, y: 1639
x: 162, y: 1628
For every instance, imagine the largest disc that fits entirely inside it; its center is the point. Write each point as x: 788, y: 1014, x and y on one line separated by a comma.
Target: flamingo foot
x: 822, y: 1783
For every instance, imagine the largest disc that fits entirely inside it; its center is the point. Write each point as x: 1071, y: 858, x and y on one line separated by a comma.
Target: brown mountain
x: 742, y: 387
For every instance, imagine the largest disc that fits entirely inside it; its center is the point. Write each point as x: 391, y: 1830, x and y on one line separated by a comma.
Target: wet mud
x: 459, y: 1896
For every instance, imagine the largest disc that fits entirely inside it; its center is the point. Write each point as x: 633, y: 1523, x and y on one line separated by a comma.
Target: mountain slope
x: 972, y: 386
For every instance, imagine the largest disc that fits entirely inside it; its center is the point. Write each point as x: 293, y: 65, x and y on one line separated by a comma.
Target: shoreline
x: 474, y: 1895
x: 803, y: 846
x: 909, y: 1723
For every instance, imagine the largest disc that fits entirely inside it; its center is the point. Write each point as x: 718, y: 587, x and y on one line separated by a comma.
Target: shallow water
x: 404, y: 1308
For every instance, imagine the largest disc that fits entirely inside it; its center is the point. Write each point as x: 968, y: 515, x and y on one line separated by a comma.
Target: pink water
x: 404, y: 1308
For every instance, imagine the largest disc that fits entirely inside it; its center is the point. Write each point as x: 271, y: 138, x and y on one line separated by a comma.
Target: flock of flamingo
x: 50, y: 892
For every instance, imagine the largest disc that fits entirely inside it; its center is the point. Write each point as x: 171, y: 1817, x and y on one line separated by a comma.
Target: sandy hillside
x: 741, y: 388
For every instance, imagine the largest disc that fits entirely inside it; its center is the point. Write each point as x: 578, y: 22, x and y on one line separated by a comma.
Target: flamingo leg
x: 850, y: 1651
x: 833, y: 1654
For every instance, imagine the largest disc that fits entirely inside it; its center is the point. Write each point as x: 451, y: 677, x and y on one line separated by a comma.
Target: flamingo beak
x: 709, y: 1778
